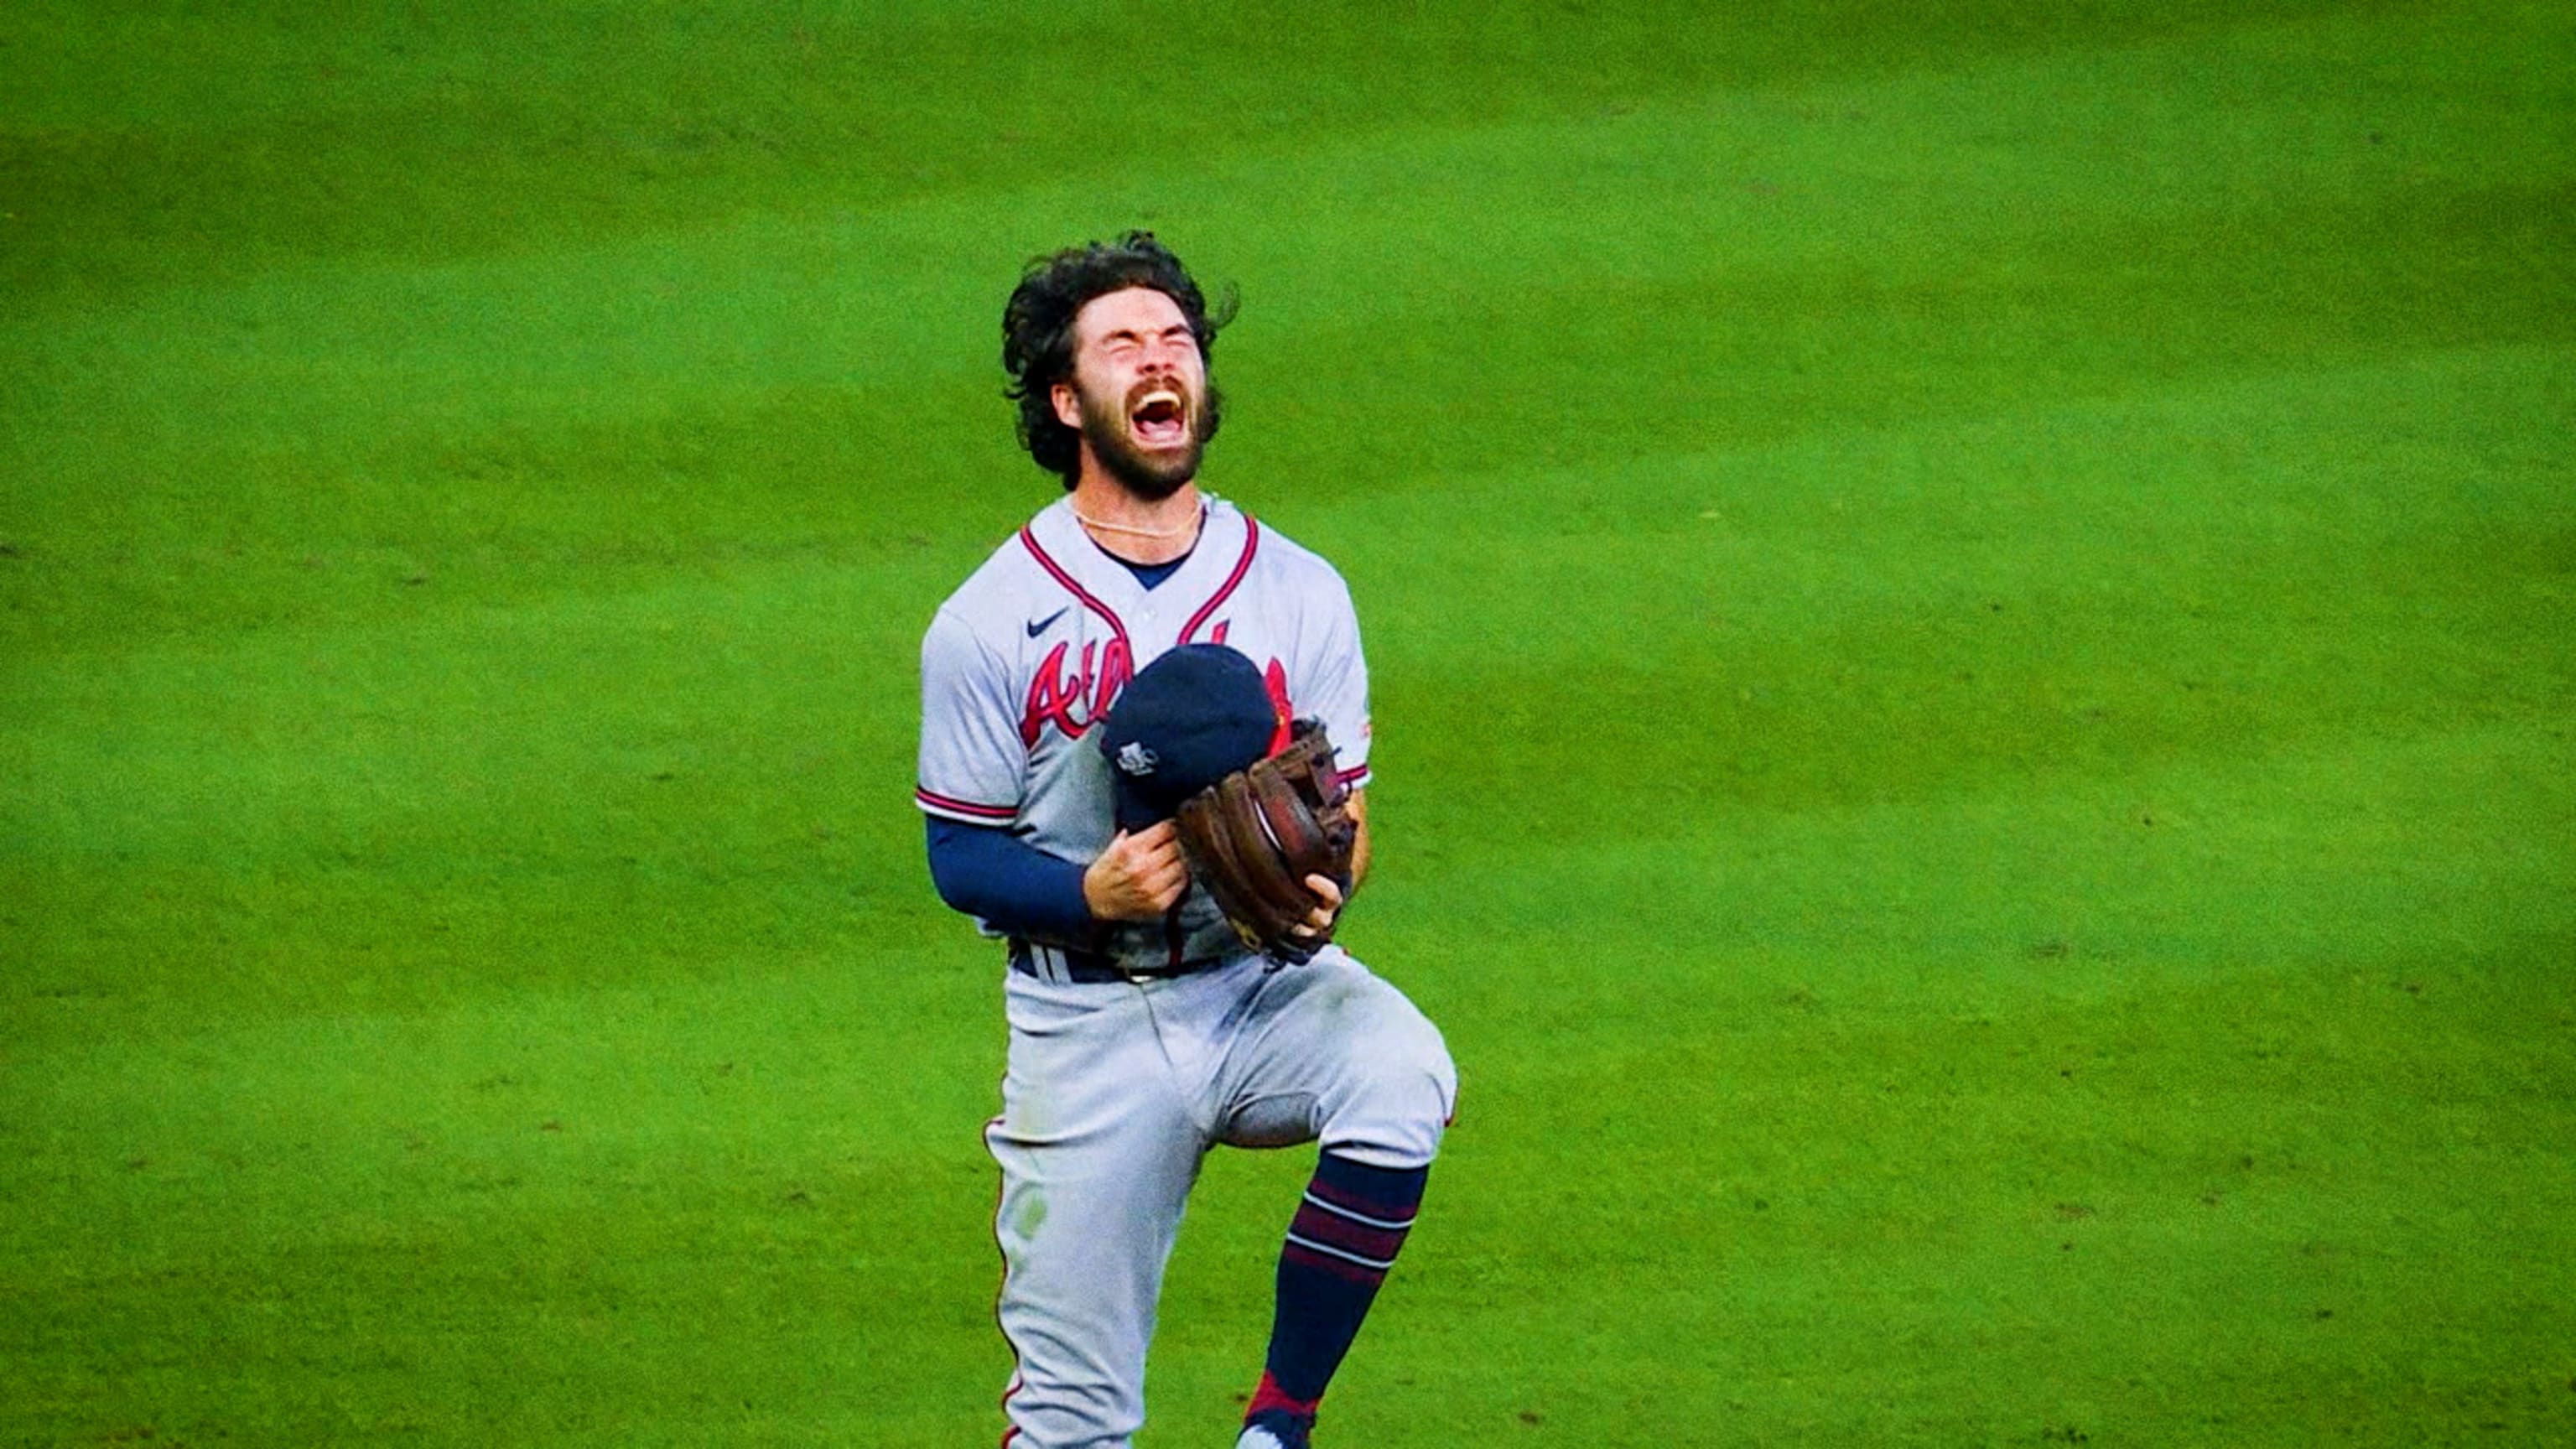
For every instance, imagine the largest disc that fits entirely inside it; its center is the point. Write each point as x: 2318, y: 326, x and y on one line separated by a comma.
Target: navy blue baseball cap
x: 1186, y: 721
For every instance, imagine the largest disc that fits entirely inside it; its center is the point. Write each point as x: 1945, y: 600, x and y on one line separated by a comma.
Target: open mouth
x: 1159, y: 418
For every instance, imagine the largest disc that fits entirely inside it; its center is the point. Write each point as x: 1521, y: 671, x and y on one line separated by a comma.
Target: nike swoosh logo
x: 1042, y: 625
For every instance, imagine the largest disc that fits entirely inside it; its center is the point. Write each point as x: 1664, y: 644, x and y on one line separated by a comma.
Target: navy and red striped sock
x: 1343, y: 1239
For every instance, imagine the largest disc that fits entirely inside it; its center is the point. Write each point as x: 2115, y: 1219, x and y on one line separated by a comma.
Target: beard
x: 1151, y: 474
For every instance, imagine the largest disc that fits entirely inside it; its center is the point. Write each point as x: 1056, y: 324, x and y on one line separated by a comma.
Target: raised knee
x: 1402, y: 1097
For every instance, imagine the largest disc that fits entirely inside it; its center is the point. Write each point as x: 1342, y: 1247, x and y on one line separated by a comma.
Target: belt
x: 1089, y: 968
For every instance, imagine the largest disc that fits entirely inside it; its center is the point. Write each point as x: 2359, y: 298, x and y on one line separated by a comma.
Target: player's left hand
x: 1320, y: 919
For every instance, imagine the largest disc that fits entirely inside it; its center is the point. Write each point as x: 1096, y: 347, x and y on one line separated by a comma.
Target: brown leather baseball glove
x: 1253, y: 837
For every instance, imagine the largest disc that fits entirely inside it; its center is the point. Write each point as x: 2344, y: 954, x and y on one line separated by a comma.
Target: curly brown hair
x: 1037, y: 332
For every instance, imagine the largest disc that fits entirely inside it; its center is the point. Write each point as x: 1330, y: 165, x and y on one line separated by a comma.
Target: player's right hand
x: 1138, y: 877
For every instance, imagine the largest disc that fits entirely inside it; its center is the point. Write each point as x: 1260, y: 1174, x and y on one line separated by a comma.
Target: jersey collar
x: 1214, y: 567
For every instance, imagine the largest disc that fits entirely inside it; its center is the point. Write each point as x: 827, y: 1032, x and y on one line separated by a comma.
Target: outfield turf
x: 1973, y: 609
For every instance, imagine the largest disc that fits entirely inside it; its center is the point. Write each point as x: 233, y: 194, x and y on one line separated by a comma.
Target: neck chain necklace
x: 1087, y: 521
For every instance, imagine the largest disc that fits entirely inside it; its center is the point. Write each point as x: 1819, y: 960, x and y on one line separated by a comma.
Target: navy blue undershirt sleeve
x: 988, y: 872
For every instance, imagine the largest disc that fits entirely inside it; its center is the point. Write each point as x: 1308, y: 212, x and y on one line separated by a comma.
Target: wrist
x: 1096, y: 897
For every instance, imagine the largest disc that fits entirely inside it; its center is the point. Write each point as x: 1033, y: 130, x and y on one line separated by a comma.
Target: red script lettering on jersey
x: 1074, y: 700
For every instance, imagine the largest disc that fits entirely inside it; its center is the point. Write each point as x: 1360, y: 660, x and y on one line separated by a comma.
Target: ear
x: 1068, y: 408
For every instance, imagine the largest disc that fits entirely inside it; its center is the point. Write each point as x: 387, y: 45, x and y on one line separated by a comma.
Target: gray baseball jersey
x: 1032, y: 650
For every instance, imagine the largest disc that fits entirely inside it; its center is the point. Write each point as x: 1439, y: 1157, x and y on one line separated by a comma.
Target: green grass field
x: 1973, y: 609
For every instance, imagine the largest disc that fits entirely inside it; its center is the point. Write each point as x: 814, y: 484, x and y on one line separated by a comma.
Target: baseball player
x: 1142, y: 1031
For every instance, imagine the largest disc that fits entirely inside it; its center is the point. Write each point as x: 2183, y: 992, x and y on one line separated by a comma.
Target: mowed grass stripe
x: 484, y: 129
x: 697, y: 778
x: 2091, y: 591
x: 2439, y: 853
x: 493, y: 1106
